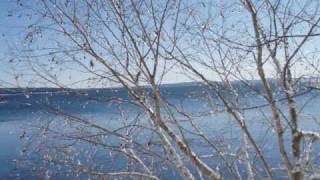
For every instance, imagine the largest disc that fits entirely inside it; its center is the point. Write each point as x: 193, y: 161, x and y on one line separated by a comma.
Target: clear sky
x: 11, y: 29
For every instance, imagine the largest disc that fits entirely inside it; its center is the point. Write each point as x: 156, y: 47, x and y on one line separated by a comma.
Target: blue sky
x: 11, y: 29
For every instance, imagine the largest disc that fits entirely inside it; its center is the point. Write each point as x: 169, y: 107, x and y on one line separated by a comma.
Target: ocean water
x: 20, y: 112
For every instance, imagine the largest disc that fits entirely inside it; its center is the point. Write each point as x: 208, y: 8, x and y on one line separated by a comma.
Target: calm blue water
x: 19, y: 111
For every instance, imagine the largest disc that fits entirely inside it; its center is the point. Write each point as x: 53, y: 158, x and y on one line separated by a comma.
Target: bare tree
x: 138, y: 44
x: 277, y: 42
